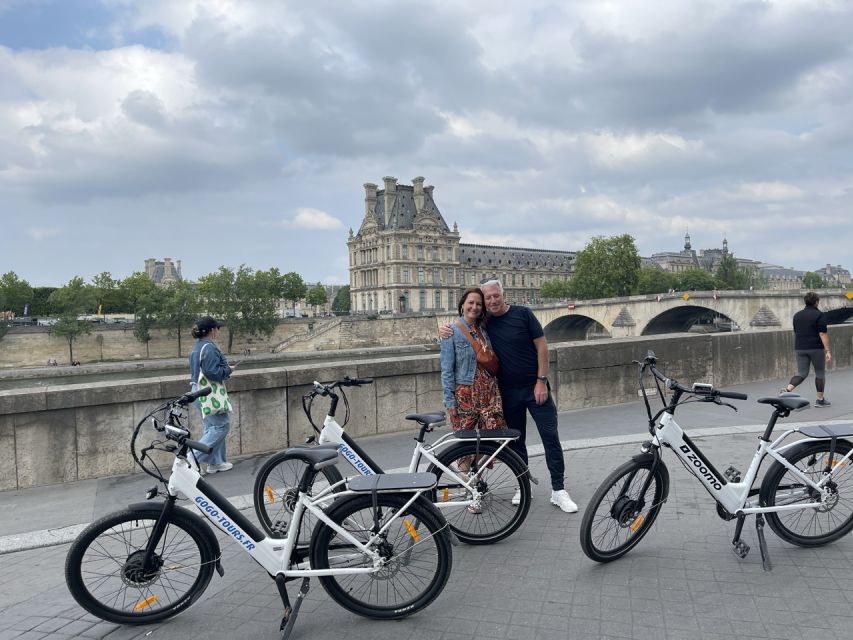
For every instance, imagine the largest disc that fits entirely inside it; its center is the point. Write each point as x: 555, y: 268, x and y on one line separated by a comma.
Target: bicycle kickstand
x: 762, y: 543
x: 289, y: 617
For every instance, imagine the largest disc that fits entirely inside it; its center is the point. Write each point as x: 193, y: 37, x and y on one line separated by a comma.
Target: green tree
x: 178, y: 308
x: 651, y: 280
x: 317, y: 296
x: 728, y: 275
x: 245, y: 300
x: 148, y: 309
x: 70, y: 302
x: 137, y: 290
x: 696, y: 280
x: 341, y: 303
x: 606, y: 267
x: 15, y: 294
x: 812, y: 280
x: 291, y: 287
x: 109, y: 296
x: 555, y: 289
x: 40, y: 305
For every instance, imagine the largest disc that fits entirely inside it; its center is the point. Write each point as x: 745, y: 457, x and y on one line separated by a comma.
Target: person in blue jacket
x: 207, y: 358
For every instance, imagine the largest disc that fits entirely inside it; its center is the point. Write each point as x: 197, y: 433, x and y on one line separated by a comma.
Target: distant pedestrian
x: 208, y: 367
x: 811, y: 346
x: 75, y: 363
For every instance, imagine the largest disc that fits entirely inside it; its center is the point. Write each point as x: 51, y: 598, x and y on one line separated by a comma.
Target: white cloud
x: 315, y: 220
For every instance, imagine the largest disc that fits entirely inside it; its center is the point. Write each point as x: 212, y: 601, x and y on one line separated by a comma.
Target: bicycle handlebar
x: 698, y: 389
x: 185, y: 399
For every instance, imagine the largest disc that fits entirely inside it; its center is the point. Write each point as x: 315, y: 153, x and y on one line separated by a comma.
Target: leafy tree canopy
x: 555, y: 289
x: 317, y: 295
x: 729, y: 276
x: 15, y: 293
x: 651, y: 280
x: 812, y: 280
x: 696, y: 280
x: 607, y: 267
x: 341, y: 303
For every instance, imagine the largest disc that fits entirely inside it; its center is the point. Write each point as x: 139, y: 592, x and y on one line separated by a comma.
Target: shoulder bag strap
x: 200, y: 354
x: 474, y: 343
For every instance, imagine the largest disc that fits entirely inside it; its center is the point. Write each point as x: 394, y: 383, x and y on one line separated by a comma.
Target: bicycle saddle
x: 789, y: 401
x: 426, y: 418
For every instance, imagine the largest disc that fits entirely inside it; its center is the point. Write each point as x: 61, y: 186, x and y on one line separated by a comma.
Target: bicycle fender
x: 156, y: 508
x: 651, y: 458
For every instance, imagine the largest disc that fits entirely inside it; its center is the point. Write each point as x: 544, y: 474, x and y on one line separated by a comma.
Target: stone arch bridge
x: 702, y: 311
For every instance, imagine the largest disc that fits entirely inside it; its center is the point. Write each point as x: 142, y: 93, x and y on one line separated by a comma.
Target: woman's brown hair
x: 464, y: 297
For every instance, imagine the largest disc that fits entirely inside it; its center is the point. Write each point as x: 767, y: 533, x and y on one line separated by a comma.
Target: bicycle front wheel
x: 504, y: 485
x: 277, y: 489
x: 828, y: 520
x: 621, y: 512
x: 415, y: 550
x: 105, y: 574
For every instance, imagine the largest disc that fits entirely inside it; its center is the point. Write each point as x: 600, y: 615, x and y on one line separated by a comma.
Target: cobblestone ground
x: 682, y: 581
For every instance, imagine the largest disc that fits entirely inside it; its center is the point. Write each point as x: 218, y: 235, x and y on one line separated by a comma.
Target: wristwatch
x: 542, y: 378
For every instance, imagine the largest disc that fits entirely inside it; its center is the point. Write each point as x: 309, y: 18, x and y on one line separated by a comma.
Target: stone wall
x: 65, y: 433
x: 32, y: 346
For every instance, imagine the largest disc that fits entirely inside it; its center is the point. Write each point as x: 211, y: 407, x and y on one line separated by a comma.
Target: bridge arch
x: 574, y: 327
x: 687, y: 318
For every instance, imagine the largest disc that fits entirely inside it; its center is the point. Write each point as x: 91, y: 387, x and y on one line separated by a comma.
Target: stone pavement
x: 681, y: 581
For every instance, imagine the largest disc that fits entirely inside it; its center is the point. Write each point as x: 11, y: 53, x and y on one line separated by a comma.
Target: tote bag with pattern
x: 217, y: 400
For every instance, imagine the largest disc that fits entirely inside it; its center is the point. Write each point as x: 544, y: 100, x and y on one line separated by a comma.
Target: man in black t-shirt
x: 811, y: 345
x: 520, y: 344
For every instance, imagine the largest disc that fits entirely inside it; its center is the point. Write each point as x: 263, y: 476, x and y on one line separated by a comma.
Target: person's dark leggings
x: 517, y: 402
x: 815, y: 358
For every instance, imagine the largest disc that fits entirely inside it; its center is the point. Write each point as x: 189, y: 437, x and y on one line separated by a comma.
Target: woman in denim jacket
x: 471, y: 393
x: 206, y: 357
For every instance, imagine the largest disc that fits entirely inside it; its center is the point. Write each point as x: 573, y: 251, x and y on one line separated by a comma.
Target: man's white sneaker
x: 562, y: 499
x: 516, y: 497
x: 216, y: 468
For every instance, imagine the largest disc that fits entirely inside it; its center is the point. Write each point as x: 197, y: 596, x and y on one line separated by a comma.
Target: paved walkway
x: 682, y: 581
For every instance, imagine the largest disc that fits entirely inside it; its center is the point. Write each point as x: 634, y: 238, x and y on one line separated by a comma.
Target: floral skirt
x: 478, y: 406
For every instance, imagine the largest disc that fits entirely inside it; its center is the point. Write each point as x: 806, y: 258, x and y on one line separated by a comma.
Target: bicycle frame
x: 333, y: 433
x: 269, y: 552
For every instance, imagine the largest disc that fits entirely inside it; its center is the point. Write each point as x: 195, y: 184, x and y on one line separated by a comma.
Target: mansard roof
x: 482, y: 255
x: 404, y: 212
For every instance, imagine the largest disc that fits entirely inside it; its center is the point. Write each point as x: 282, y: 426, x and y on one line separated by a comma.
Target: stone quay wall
x: 33, y: 346
x: 67, y: 433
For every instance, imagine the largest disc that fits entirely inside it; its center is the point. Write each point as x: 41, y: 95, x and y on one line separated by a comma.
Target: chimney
x: 149, y: 267
x: 419, y: 193
x: 180, y: 275
x: 390, y: 197
x: 369, y: 198
x: 428, y: 190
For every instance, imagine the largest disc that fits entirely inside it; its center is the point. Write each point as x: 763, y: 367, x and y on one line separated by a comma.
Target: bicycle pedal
x: 732, y: 474
x: 740, y: 549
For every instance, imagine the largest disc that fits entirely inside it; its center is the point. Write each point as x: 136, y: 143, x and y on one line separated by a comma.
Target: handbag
x: 217, y: 400
x: 486, y: 356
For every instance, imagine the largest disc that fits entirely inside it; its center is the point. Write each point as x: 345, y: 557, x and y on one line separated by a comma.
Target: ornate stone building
x: 163, y: 271
x: 406, y: 258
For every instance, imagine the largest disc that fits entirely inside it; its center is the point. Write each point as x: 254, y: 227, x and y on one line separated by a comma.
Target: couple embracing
x: 475, y: 397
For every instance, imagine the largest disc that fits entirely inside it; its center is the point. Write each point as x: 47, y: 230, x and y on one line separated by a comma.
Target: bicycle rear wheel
x: 416, y: 548
x: 276, y: 491
x: 620, y: 513
x: 504, y: 485
x: 104, y: 572
x: 824, y: 523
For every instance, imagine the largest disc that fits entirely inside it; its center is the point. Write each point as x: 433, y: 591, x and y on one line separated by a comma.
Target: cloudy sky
x: 228, y: 132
